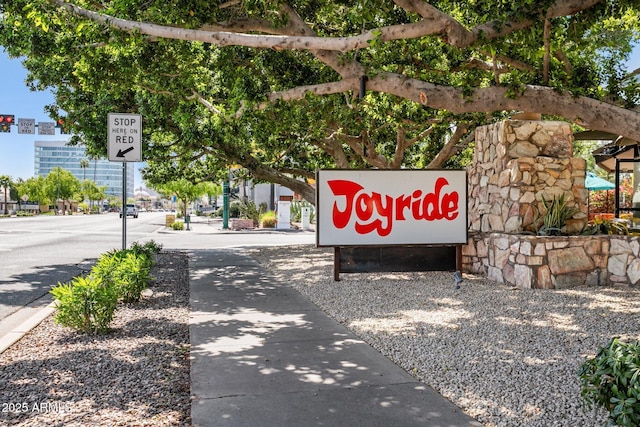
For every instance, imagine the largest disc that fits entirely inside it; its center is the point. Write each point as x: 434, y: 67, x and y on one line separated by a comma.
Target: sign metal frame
x: 124, y: 137
x: 391, y: 207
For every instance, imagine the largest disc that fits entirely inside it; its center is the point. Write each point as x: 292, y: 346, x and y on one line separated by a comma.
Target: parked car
x: 132, y: 210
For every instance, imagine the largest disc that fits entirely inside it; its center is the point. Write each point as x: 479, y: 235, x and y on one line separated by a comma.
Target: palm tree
x: 84, y: 164
x: 6, y: 183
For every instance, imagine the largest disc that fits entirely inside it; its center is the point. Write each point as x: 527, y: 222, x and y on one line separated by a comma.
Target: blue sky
x: 16, y: 150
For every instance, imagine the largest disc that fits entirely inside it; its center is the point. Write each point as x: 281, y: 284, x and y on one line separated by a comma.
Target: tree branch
x: 547, y: 51
x: 566, y: 63
x: 276, y: 42
x: 333, y: 148
x: 449, y: 148
x: 434, y: 22
x: 402, y: 143
x: 209, y: 106
x: 586, y: 112
x: 319, y: 89
x: 518, y: 65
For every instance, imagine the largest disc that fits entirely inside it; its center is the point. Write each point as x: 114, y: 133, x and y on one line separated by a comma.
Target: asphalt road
x: 38, y: 252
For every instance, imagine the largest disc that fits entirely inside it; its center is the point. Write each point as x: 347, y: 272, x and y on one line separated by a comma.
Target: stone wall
x: 553, y: 262
x: 516, y: 164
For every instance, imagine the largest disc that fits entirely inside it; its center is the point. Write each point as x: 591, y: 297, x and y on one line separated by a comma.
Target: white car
x: 132, y: 210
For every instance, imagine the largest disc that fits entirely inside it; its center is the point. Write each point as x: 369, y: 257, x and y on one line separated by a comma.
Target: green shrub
x: 268, y: 219
x: 178, y: 225
x: 120, y: 254
x: 249, y: 210
x: 105, y: 268
x: 85, y: 304
x: 125, y: 271
x: 234, y: 209
x: 131, y: 277
x: 148, y: 249
x: 610, y: 380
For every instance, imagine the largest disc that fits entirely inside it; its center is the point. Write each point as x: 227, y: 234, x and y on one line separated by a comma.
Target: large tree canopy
x: 282, y: 88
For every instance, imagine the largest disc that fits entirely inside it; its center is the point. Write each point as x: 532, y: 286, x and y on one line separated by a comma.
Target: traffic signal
x: 63, y: 128
x: 6, y: 120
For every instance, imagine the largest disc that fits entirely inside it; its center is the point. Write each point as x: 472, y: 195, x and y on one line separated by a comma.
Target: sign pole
x: 124, y: 205
x: 124, y: 144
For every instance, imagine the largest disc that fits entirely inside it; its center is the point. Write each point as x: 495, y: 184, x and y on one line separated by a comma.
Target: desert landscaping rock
x: 506, y: 356
x: 137, y: 375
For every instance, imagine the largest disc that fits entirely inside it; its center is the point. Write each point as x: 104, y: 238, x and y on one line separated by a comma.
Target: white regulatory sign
x: 125, y: 137
x: 27, y: 126
x: 46, y: 128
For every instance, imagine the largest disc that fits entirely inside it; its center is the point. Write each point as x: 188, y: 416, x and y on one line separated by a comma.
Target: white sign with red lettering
x: 391, y: 207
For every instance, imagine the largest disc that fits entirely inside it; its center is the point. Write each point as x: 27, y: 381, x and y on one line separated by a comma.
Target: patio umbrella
x: 594, y: 182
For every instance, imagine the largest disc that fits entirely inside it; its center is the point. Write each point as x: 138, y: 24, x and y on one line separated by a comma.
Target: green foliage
x: 601, y: 225
x: 208, y: 107
x: 268, y: 219
x: 35, y: 189
x: 131, y: 277
x: 91, y: 191
x: 6, y: 183
x: 185, y: 190
x: 86, y: 304
x: 611, y: 381
x: 249, y: 210
x: 234, y: 209
x: 178, y: 225
x: 558, y: 211
x: 149, y: 249
x: 126, y: 271
x: 61, y: 184
x: 296, y: 211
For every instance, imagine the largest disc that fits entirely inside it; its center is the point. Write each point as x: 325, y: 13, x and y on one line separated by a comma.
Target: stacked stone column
x: 516, y: 164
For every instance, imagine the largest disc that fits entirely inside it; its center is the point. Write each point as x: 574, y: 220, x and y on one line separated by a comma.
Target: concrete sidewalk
x: 263, y: 355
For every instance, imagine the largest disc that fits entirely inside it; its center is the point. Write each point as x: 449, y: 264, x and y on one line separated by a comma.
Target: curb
x: 24, y: 320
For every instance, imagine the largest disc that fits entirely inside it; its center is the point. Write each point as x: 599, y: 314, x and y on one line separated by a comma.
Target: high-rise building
x: 51, y: 154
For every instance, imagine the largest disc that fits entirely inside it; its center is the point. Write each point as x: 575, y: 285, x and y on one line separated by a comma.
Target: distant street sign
x: 27, y: 126
x: 125, y: 137
x: 46, y: 128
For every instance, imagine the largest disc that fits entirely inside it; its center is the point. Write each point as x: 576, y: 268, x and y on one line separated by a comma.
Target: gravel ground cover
x: 136, y: 375
x: 507, y: 357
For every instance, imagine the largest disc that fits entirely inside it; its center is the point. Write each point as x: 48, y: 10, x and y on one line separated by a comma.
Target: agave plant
x: 601, y: 225
x: 558, y: 211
